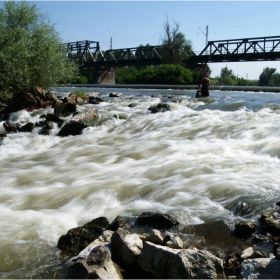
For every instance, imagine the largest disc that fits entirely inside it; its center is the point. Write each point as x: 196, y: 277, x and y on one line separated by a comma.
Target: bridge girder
x: 238, y: 50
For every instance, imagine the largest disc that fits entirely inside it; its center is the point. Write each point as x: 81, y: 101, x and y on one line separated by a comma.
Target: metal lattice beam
x: 249, y: 49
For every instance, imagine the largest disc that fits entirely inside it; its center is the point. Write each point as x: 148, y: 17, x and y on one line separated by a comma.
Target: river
x: 194, y: 162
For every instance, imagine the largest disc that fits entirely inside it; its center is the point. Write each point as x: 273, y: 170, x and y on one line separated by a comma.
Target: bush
x: 81, y: 94
x: 31, y: 52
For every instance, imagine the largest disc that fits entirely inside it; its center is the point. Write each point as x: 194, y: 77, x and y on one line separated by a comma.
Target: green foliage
x: 31, y: 51
x: 80, y: 80
x: 81, y: 94
x: 269, y: 77
x: 163, y: 74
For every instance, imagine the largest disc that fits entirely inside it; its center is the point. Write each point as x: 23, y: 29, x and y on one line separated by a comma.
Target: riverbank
x: 188, y: 87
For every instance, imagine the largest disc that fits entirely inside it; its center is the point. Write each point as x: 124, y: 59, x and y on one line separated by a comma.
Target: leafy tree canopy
x: 31, y: 51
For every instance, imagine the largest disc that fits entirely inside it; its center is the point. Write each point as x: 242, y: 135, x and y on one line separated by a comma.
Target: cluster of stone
x: 62, y: 107
x: 156, y: 246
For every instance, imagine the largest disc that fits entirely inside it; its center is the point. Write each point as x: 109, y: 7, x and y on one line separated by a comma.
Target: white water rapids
x: 194, y: 163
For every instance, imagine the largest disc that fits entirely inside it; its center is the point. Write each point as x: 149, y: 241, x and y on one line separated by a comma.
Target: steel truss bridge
x: 88, y: 53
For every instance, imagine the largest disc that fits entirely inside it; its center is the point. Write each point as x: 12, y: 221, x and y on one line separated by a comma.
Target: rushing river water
x: 194, y: 162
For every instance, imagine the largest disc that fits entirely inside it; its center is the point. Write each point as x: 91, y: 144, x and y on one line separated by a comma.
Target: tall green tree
x: 32, y: 53
x: 268, y: 77
x: 176, y: 49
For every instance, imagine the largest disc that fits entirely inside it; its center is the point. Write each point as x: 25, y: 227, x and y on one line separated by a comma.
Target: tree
x: 225, y: 72
x: 268, y: 77
x: 31, y: 52
x: 176, y: 49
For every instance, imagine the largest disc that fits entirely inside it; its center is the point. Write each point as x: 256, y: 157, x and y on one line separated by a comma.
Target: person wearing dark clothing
x: 203, y: 85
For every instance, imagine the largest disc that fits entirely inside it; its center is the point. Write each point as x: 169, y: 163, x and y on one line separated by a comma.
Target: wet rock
x: 55, y: 119
x: 72, y: 128
x: 167, y: 263
x: 240, y: 208
x: 115, y: 94
x: 64, y: 109
x: 47, y: 128
x: 160, y: 108
x: 97, y: 265
x: 270, y: 222
x: 88, y: 118
x: 28, y: 127
x: 131, y: 105
x: 126, y: 246
x: 95, y: 100
x: 78, y: 238
x: 121, y: 116
x: 11, y: 127
x: 262, y: 268
x: 156, y: 220
x: 244, y: 230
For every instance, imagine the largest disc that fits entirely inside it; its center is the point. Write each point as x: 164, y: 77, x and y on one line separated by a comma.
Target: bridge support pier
x: 103, y: 75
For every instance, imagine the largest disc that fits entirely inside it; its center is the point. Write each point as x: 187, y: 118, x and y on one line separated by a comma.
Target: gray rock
x: 167, y: 263
x: 126, y: 246
x: 97, y: 265
x: 262, y: 268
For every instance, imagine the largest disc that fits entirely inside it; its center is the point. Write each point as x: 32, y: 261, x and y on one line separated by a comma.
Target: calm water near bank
x: 194, y: 162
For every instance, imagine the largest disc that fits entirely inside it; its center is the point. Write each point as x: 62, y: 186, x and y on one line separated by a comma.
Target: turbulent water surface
x: 194, y: 162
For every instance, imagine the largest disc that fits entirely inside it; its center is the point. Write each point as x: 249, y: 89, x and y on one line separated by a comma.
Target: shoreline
x: 189, y: 87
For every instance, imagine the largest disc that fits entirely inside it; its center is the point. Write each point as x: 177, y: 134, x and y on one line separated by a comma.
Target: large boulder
x: 261, y: 268
x: 126, y: 246
x: 159, y: 108
x: 72, y: 128
x: 167, y: 263
x: 76, y: 239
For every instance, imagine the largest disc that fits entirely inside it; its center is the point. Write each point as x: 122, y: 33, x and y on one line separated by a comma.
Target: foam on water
x: 194, y: 164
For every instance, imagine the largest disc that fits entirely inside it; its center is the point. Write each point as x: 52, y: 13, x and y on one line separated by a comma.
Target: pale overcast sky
x: 131, y: 23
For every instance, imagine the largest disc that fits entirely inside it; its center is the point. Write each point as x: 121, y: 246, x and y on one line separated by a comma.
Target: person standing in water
x: 203, y: 85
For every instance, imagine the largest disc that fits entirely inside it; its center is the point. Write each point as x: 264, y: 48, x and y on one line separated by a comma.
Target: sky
x: 131, y: 23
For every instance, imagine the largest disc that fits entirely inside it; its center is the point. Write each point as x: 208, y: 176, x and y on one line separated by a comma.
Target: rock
x: 11, y: 127
x: 244, y: 230
x: 95, y: 100
x: 174, y: 242
x: 276, y: 251
x: 240, y: 208
x: 155, y: 237
x: 217, y: 234
x: 262, y: 268
x: 78, y: 238
x: 131, y: 105
x: 115, y: 94
x: 270, y: 222
x: 64, y: 109
x: 55, y: 119
x: 126, y: 246
x: 28, y: 127
x: 47, y: 128
x: 167, y: 263
x: 72, y: 128
x: 97, y: 265
x: 232, y: 266
x: 118, y: 222
x: 121, y: 116
x: 156, y: 220
x: 160, y: 108
x: 88, y: 118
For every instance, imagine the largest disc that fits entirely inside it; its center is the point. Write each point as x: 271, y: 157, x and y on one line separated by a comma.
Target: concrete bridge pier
x: 103, y: 75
